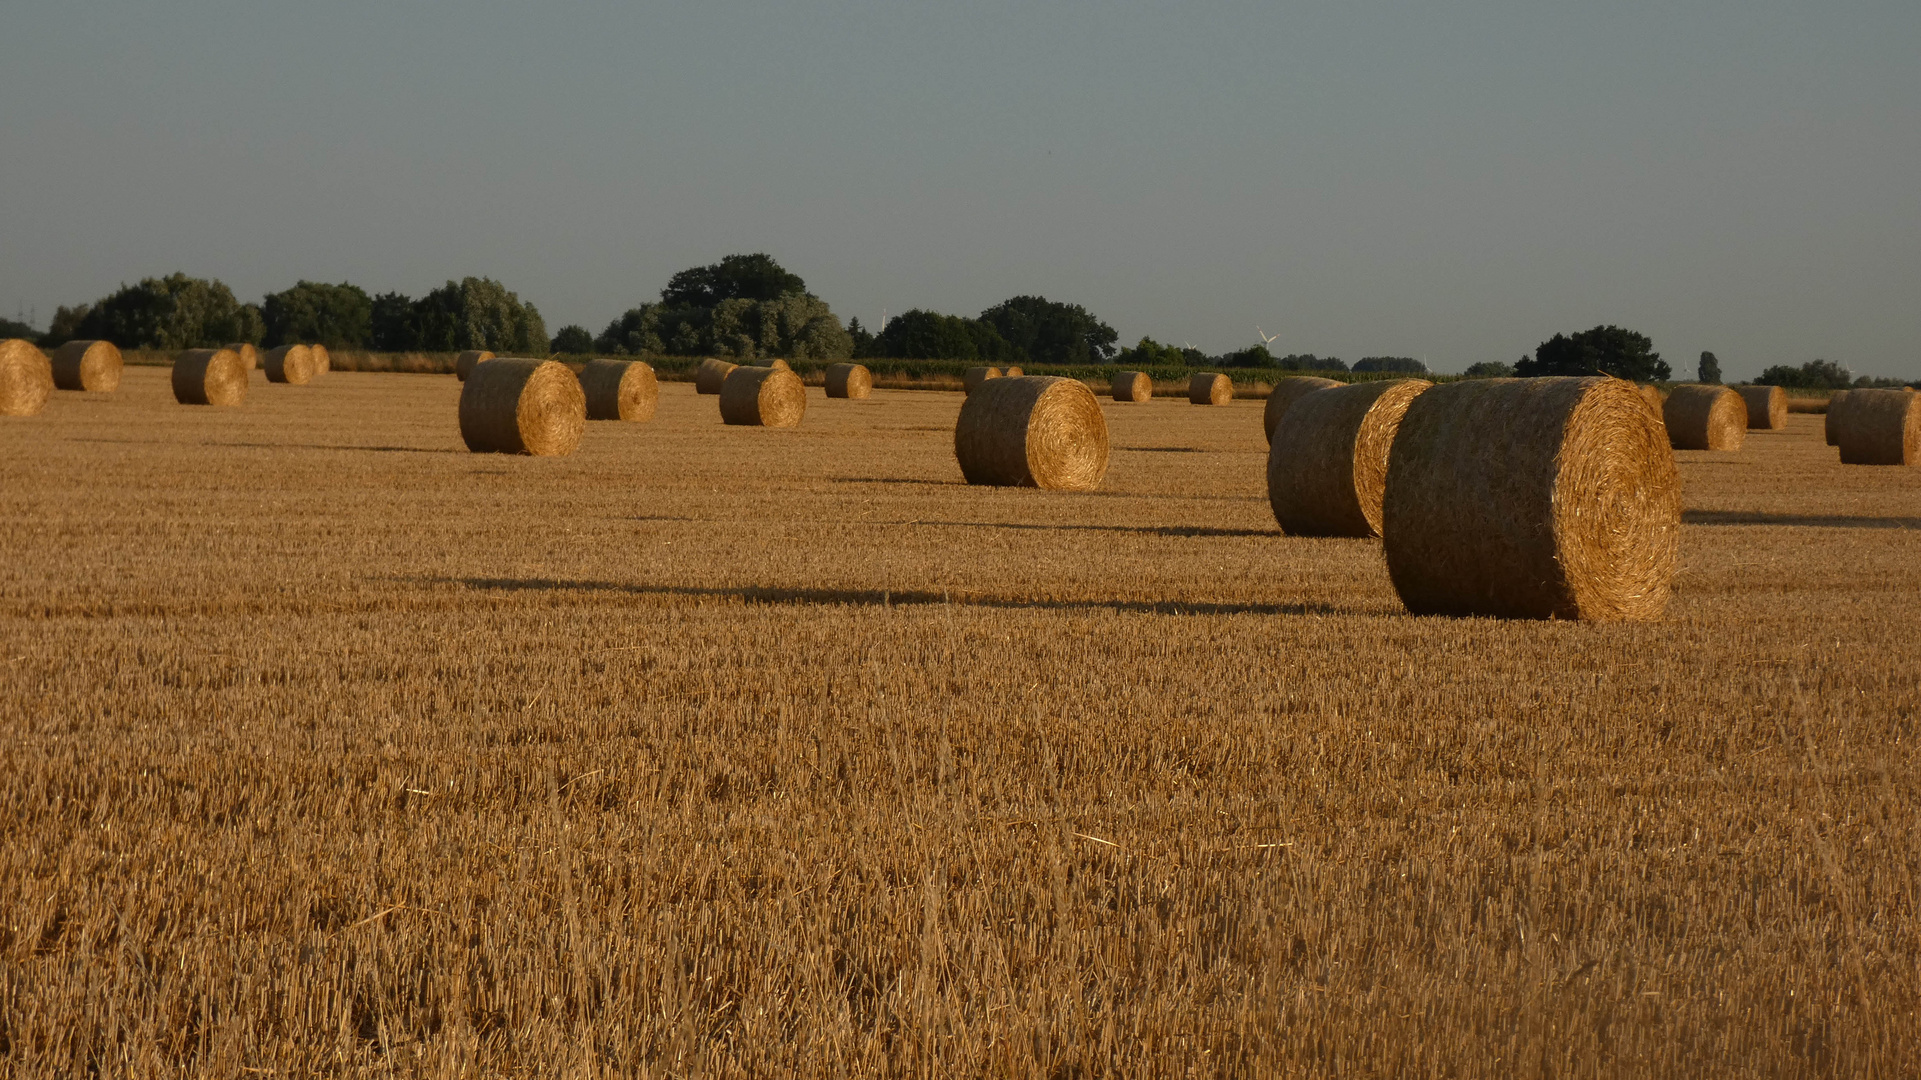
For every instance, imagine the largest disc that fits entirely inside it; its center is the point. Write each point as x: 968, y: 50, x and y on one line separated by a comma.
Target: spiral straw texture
x: 1209, y: 389
x: 465, y: 363
x: 973, y: 377
x: 1532, y: 498
x: 249, y: 356
x: 1287, y: 392
x: 292, y: 364
x: 1034, y: 431
x: 1652, y: 394
x: 1881, y: 427
x: 209, y: 377
x: 1767, y: 407
x: 1702, y: 417
x: 1327, y: 467
x: 1132, y: 386
x: 26, y: 378
x: 1831, y: 423
x: 620, y: 390
x: 87, y: 365
x: 763, y: 397
x: 849, y: 381
x: 511, y: 406
x: 711, y: 375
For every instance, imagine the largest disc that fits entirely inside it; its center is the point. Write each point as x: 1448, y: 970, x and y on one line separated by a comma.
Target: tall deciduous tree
x: 1043, y: 331
x: 1608, y: 350
x: 173, y: 312
x: 1709, y: 370
x: 744, y: 305
x: 337, y: 316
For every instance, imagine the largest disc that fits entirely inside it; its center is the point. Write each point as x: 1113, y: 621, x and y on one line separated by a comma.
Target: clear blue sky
x: 1450, y: 180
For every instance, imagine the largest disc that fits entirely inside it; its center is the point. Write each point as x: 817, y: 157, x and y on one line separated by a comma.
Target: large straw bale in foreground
x: 1703, y: 417
x: 87, y: 365
x: 209, y: 377
x: 711, y: 375
x: 849, y: 381
x: 973, y: 377
x: 1881, y: 427
x: 465, y: 363
x: 1831, y: 423
x: 1327, y: 466
x: 1532, y: 498
x: 1034, y: 431
x: 763, y: 397
x: 1652, y: 395
x: 1210, y: 388
x: 620, y: 390
x: 1767, y: 407
x: 511, y: 406
x: 292, y: 364
x: 1287, y: 392
x: 249, y: 355
x: 1132, y: 386
x: 26, y: 378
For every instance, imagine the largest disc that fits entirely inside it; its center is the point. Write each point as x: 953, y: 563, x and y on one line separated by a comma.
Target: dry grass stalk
x: 620, y: 390
x: 87, y: 365
x: 26, y: 378
x: 291, y: 364
x: 763, y: 397
x: 1881, y: 427
x: 849, y: 381
x: 1703, y: 417
x: 1327, y: 467
x: 711, y: 375
x: 1209, y: 388
x: 209, y: 377
x: 1831, y: 422
x: 511, y: 406
x: 1132, y: 386
x: 973, y: 377
x: 465, y: 363
x: 1532, y: 498
x: 1034, y: 431
x: 249, y: 355
x: 1767, y: 407
x: 1285, y: 393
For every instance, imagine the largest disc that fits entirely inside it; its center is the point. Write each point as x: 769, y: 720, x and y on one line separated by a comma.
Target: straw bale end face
x: 323, y: 360
x: 26, y: 378
x: 1034, y: 431
x: 849, y: 381
x: 711, y: 375
x: 1133, y: 386
x: 465, y: 363
x: 87, y: 365
x: 1287, y: 392
x: 1880, y: 427
x: 620, y: 390
x: 974, y: 377
x: 1210, y: 389
x: 291, y: 364
x: 514, y: 406
x: 1532, y: 498
x: 249, y: 356
x: 763, y: 397
x: 1703, y: 417
x: 1767, y: 407
x: 1012, y: 373
x: 1327, y: 467
x: 209, y: 377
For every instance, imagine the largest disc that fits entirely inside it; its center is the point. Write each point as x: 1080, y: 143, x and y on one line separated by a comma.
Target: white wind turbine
x: 1266, y: 338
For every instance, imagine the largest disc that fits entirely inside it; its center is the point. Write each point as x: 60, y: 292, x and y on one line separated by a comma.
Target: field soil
x: 331, y: 748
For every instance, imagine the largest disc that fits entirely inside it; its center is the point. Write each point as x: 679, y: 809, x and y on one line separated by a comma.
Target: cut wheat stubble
x: 620, y: 390
x: 209, y: 377
x: 515, y: 406
x: 1034, y: 431
x: 1767, y: 407
x: 711, y: 375
x: 1327, y: 467
x: 1287, y: 392
x: 1880, y: 427
x: 1703, y: 417
x: 26, y: 378
x: 849, y: 381
x: 763, y: 397
x: 291, y: 364
x: 87, y: 365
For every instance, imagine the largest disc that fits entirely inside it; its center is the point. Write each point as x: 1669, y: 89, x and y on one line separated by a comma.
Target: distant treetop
x: 1604, y: 350
x: 736, y: 277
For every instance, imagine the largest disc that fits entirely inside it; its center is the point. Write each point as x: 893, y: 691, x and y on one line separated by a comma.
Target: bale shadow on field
x: 1821, y: 521
x: 1163, y: 449
x: 1138, y: 530
x: 325, y: 446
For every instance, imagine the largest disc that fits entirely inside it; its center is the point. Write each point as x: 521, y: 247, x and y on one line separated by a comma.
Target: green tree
x: 928, y: 335
x: 391, y: 323
x: 1609, y: 350
x: 337, y: 316
x: 1042, y: 331
x: 1310, y: 362
x: 1815, y: 375
x: 1399, y: 365
x: 478, y: 313
x: 1489, y: 369
x: 745, y: 306
x: 1150, y: 353
x: 573, y: 340
x: 1709, y: 370
x: 174, y: 312
x: 736, y: 277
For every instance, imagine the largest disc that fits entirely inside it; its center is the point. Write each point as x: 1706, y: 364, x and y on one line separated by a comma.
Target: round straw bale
x: 1209, y: 389
x: 849, y: 381
x: 1132, y: 386
x: 1012, y: 373
x: 1652, y: 395
x: 209, y: 377
x: 87, y: 365
x: 1327, y: 466
x: 465, y: 363
x: 323, y: 361
x: 1034, y: 431
x: 26, y: 378
x: 1831, y: 423
x: 620, y: 390
x: 771, y: 362
x: 1287, y: 392
x: 710, y: 375
x: 291, y: 364
x: 522, y: 407
x: 249, y: 356
x: 1767, y: 407
x: 1532, y: 498
x: 972, y: 379
x: 1703, y: 417
x: 1881, y: 427
x: 762, y: 397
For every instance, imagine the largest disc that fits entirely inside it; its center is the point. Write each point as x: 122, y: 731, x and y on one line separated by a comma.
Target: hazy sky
x: 1450, y: 180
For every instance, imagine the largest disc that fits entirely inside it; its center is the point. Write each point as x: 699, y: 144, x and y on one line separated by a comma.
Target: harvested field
x: 333, y: 749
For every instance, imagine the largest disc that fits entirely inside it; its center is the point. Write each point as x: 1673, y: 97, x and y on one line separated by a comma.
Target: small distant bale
x: 1546, y: 498
x: 291, y: 364
x: 620, y: 390
x: 1881, y: 427
x: 26, y: 378
x: 763, y: 397
x: 1012, y: 373
x: 249, y: 356
x: 1287, y: 392
x: 465, y: 363
x: 711, y: 375
x: 513, y: 406
x: 1327, y: 467
x: 1831, y: 423
x: 1767, y: 407
x: 771, y: 362
x: 973, y: 377
x: 209, y: 377
x: 87, y: 365
x: 849, y: 381
x: 1034, y: 431
x: 1133, y: 386
x: 1209, y: 389
x: 1703, y: 417
x: 323, y: 361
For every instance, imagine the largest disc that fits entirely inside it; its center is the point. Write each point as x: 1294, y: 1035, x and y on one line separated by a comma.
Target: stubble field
x: 332, y: 749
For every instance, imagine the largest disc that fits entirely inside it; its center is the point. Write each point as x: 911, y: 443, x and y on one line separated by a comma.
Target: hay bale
x: 763, y: 397
x: 1652, y: 395
x: 26, y: 378
x: 711, y: 375
x: 771, y: 362
x: 1767, y: 407
x: 1881, y: 427
x: 465, y: 363
x: 973, y: 377
x: 1034, y: 431
x: 620, y: 390
x: 249, y: 356
x: 1831, y: 423
x: 323, y: 361
x: 849, y: 381
x: 1132, y: 386
x: 1287, y: 392
x: 1209, y: 389
x: 1013, y: 373
x: 1327, y: 466
x: 291, y: 364
x: 1703, y: 417
x: 87, y: 365
x: 1532, y: 498
x: 514, y: 406
x: 209, y: 377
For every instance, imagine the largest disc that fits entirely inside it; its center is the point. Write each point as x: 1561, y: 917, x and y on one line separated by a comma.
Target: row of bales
x: 28, y: 377
x: 1870, y: 427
